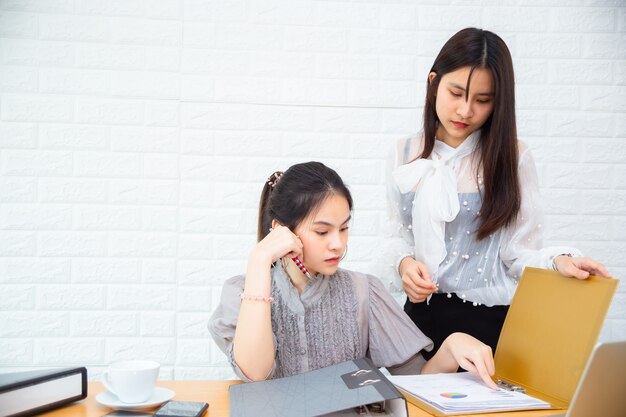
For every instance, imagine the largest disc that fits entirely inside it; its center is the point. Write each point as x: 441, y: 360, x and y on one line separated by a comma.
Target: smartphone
x: 182, y: 409
x: 126, y: 413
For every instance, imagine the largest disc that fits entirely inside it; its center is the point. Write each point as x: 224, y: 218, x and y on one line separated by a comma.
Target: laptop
x: 601, y: 390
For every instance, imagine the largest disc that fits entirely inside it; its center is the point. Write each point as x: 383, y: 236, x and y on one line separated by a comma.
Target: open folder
x: 352, y: 388
x: 548, y: 335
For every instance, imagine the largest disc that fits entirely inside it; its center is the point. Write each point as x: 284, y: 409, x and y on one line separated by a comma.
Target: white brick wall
x: 135, y: 136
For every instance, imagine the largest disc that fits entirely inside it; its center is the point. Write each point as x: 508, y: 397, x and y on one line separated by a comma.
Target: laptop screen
x: 602, y: 387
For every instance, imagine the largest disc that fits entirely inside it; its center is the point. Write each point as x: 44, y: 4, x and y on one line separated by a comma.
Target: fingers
x: 602, y: 272
x: 575, y: 272
x: 416, y: 288
x: 487, y: 356
x: 580, y: 268
x: 413, y: 293
x: 472, y: 355
x: 566, y: 267
x: 418, y: 285
x: 282, y: 242
x: 591, y: 266
x: 293, y: 254
x: 424, y: 272
x: 488, y: 381
x: 481, y: 363
x: 419, y: 281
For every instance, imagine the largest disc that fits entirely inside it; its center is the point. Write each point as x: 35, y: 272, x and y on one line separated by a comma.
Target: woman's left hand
x: 472, y: 355
x: 461, y: 349
x: 579, y: 268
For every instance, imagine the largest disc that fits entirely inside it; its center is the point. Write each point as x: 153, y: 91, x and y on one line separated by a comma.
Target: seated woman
x: 277, y: 320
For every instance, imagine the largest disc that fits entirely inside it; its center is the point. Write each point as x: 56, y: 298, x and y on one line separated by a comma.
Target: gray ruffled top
x: 341, y: 317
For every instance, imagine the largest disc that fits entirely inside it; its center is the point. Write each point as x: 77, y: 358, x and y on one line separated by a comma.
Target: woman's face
x: 459, y: 114
x: 324, y: 235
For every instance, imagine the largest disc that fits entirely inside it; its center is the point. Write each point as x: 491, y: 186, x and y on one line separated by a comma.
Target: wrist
x: 447, y: 360
x: 259, y: 258
x: 401, y: 262
x: 553, y: 260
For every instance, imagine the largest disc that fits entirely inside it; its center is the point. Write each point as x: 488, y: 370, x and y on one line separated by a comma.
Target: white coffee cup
x: 131, y: 381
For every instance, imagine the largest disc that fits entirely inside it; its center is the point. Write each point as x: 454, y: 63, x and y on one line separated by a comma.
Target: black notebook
x: 337, y: 390
x: 32, y: 392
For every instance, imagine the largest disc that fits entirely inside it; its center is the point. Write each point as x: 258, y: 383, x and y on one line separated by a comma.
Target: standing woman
x: 464, y: 198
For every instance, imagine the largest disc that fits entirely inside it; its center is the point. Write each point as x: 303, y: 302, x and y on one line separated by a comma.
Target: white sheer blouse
x: 434, y: 207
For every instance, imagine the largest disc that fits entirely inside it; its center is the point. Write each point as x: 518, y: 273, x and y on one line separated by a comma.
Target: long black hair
x: 291, y: 196
x: 477, y: 48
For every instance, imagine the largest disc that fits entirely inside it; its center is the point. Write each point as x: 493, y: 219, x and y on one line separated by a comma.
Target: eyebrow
x: 455, y: 85
x: 323, y: 223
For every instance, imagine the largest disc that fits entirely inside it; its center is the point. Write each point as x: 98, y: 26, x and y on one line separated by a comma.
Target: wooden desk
x: 216, y: 394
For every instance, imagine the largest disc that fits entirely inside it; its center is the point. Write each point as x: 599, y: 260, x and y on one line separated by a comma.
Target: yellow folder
x: 549, y: 332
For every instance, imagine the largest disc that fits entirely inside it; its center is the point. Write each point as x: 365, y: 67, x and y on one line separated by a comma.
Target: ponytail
x: 265, y: 216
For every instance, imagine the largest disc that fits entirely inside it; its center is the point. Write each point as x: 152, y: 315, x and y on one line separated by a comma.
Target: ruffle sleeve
x: 397, y: 237
x: 522, y: 245
x: 223, y: 323
x: 394, y: 340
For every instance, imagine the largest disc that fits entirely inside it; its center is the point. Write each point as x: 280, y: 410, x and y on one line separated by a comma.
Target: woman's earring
x: 345, y: 253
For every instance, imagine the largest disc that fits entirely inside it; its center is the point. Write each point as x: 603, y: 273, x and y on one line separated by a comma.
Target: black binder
x: 33, y: 392
x: 335, y: 390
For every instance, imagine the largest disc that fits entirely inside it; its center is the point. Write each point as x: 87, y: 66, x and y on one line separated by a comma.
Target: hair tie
x: 274, y: 178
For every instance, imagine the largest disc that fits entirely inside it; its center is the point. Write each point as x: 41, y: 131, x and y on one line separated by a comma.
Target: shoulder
x: 522, y: 149
x: 409, y: 140
x: 354, y: 276
x: 408, y: 148
x: 226, y: 314
x: 236, y: 281
x: 234, y: 285
x: 362, y: 279
x: 524, y: 153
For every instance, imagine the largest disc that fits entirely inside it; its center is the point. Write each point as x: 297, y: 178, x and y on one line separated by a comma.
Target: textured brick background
x: 135, y: 136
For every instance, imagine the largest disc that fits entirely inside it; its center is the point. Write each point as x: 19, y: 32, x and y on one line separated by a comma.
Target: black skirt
x: 443, y: 316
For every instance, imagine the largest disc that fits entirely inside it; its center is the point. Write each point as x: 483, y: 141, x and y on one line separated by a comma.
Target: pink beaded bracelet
x: 256, y: 298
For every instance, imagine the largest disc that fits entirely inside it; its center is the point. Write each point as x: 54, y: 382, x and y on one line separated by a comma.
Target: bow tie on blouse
x: 436, y: 198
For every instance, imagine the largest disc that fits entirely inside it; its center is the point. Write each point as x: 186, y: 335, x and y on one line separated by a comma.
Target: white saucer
x: 158, y: 397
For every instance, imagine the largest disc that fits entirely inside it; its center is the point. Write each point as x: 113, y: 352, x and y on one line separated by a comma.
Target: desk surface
x: 216, y: 394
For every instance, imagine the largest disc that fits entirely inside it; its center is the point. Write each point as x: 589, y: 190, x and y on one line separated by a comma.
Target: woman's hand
x: 461, y: 349
x: 416, y: 280
x: 280, y: 242
x: 253, y: 345
x: 579, y: 268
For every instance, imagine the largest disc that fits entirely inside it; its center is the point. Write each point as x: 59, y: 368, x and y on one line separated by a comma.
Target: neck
x: 452, y: 142
x: 298, y: 279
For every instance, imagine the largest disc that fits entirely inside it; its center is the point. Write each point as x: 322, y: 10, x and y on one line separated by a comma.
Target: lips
x: 332, y: 261
x: 460, y: 125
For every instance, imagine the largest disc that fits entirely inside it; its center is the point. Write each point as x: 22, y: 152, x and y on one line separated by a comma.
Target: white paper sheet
x: 463, y: 393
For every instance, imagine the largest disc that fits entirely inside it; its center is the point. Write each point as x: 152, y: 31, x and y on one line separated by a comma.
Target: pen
x: 302, y: 267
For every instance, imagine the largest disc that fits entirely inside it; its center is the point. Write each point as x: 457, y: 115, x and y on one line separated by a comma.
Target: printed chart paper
x: 463, y: 393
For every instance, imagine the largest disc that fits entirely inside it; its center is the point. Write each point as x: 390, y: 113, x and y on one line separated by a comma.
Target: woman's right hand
x: 416, y: 280
x: 280, y: 242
